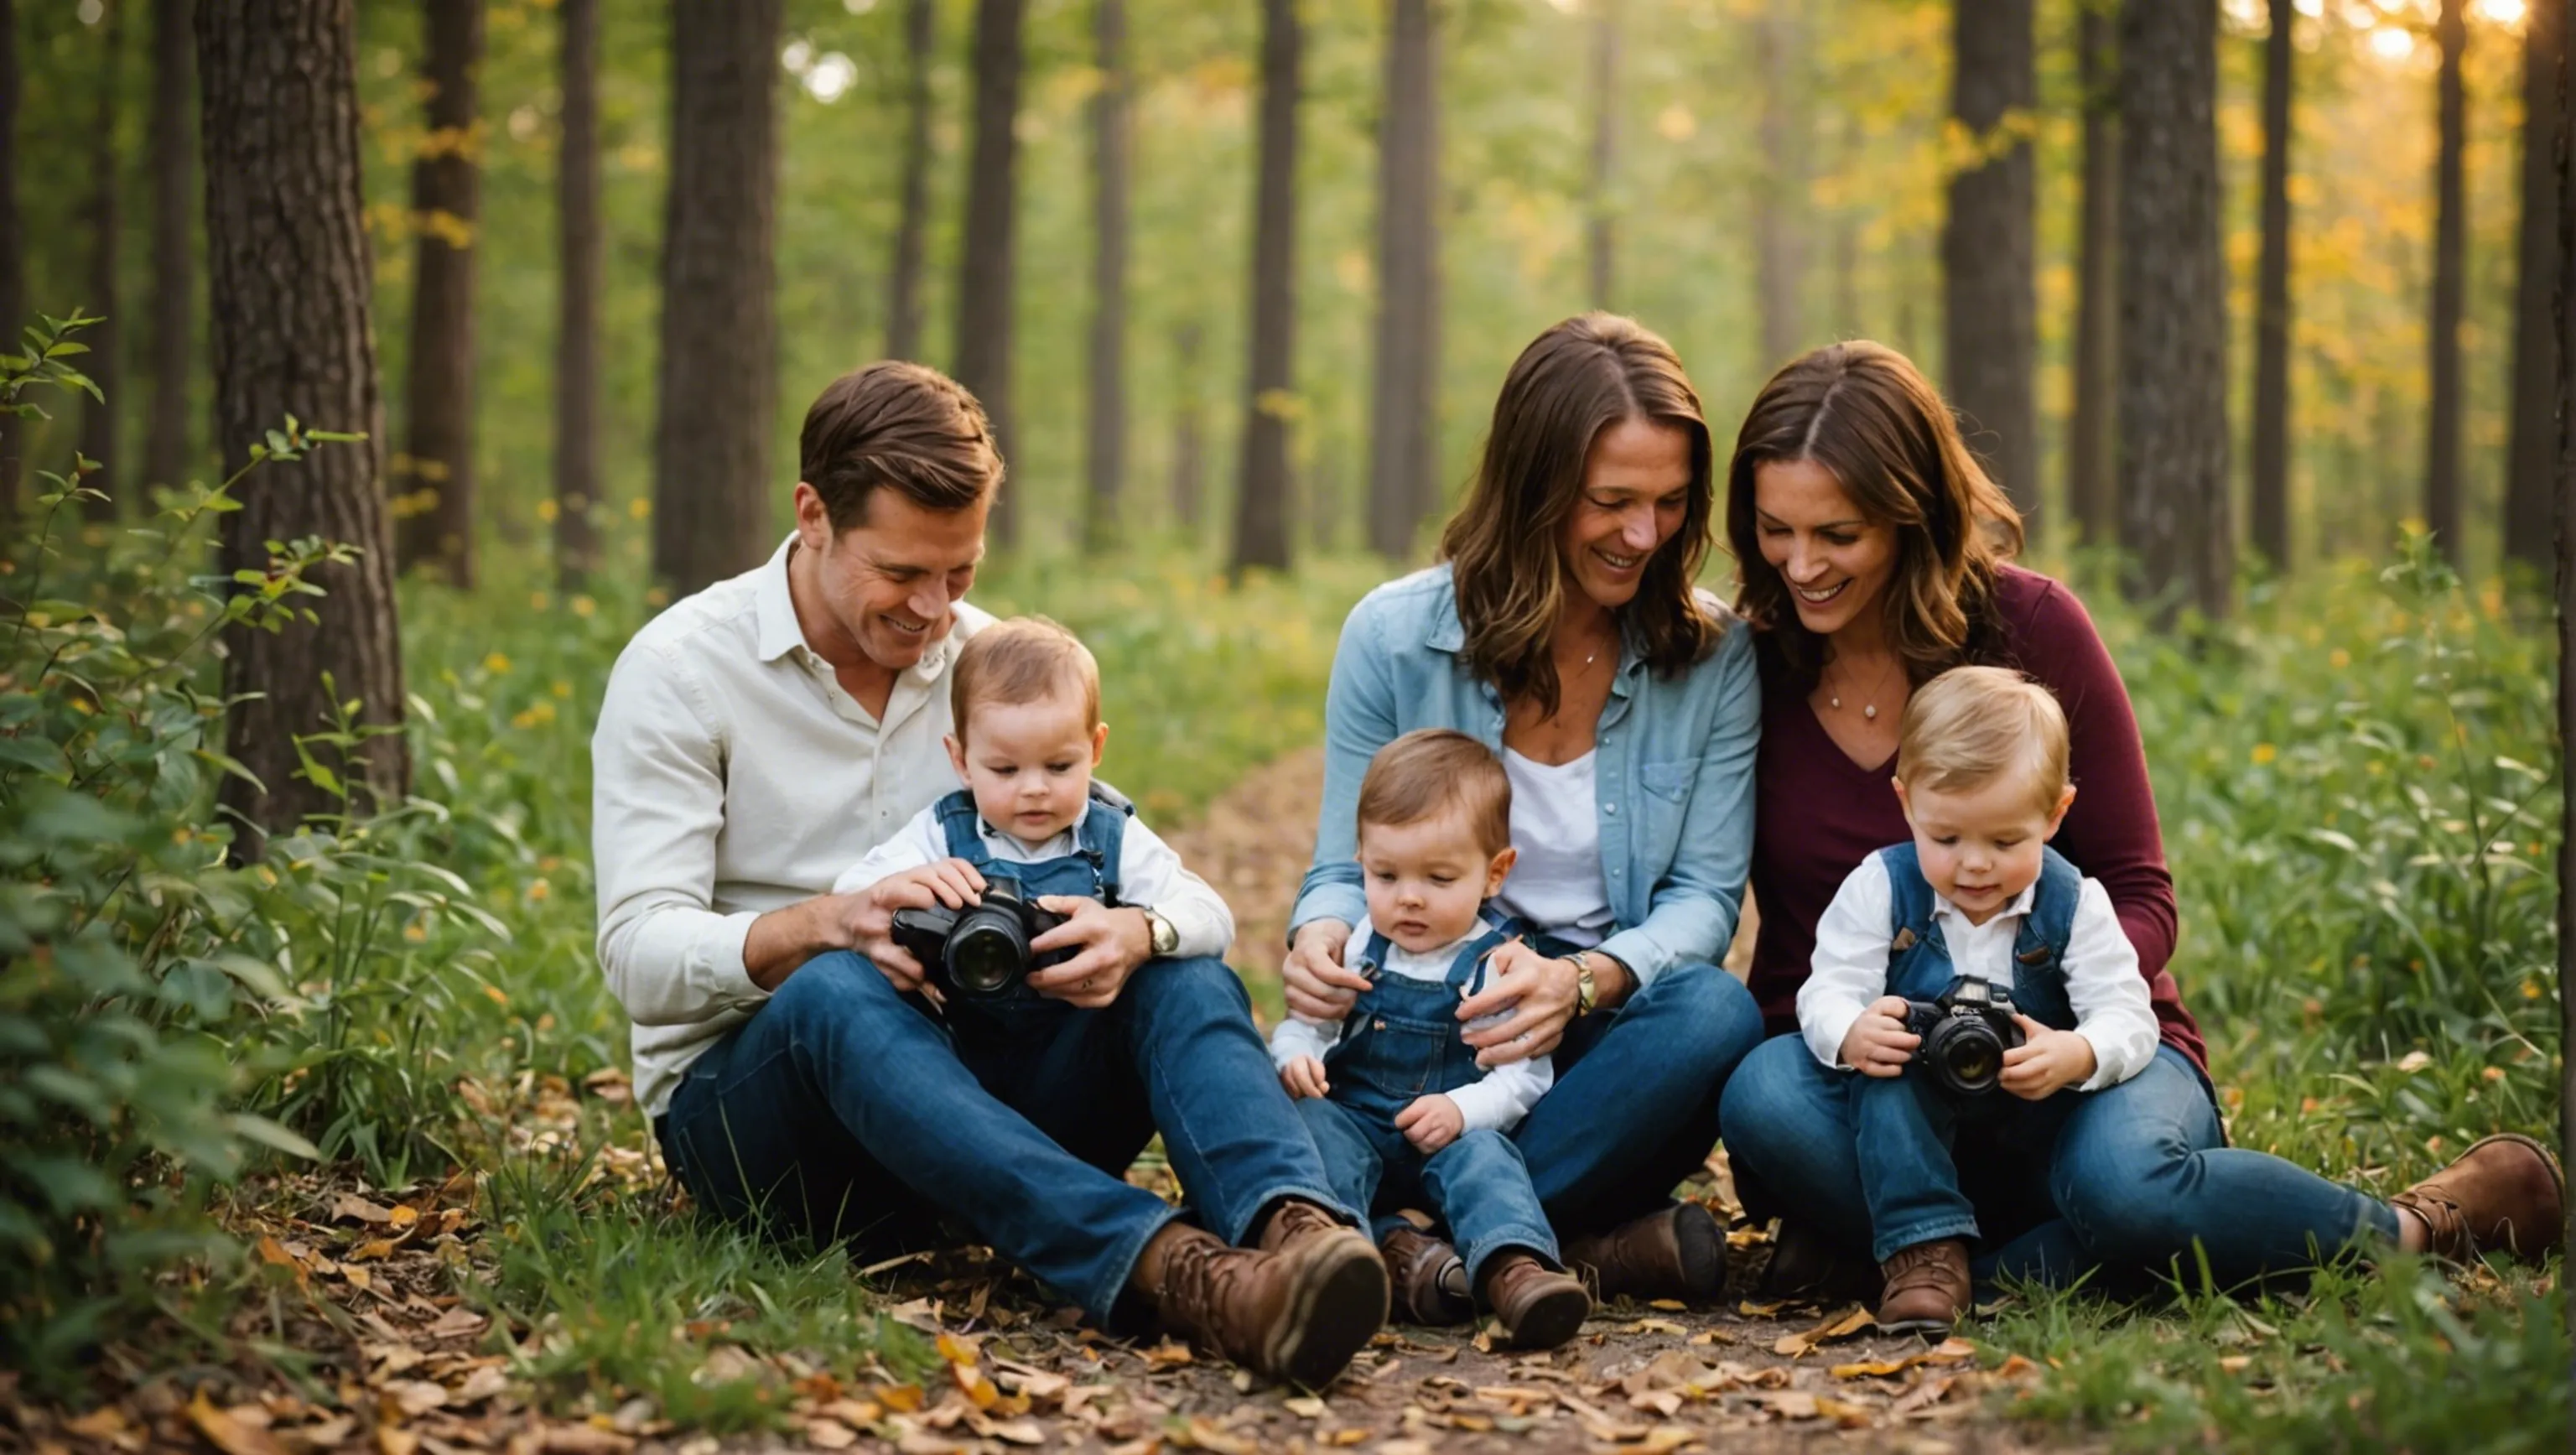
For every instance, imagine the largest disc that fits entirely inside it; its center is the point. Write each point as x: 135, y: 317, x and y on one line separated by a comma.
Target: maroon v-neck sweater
x: 1818, y: 813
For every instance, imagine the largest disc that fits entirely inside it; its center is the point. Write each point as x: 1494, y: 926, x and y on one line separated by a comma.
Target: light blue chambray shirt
x: 1674, y: 775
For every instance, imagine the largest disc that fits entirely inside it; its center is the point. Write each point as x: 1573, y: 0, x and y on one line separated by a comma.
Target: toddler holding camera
x: 1972, y: 959
x: 1031, y: 846
x: 1398, y: 1106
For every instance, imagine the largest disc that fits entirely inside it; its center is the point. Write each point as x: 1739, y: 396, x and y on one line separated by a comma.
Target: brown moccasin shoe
x: 1298, y: 1314
x: 1678, y: 1252
x: 2503, y: 1195
x: 1429, y: 1278
x: 1928, y: 1289
x: 1539, y: 1307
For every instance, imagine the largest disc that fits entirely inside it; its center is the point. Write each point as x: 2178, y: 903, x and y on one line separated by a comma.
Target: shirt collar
x: 779, y: 631
x: 2020, y: 905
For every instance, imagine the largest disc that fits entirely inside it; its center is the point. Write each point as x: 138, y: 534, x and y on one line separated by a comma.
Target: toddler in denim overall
x: 1398, y: 1107
x: 1977, y: 902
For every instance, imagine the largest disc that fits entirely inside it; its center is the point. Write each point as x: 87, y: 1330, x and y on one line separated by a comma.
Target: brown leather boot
x: 1298, y: 1314
x: 1679, y: 1252
x: 1928, y: 1289
x: 2504, y: 1195
x: 1295, y: 1220
x: 1429, y: 1277
x: 1806, y: 1264
x: 1539, y: 1307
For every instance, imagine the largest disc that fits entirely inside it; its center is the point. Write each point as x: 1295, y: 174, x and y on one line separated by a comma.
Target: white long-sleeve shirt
x: 731, y: 776
x: 1498, y: 1099
x: 1150, y: 872
x: 1854, y: 947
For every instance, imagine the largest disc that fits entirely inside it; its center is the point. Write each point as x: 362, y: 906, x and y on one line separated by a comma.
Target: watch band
x: 1163, y: 937
x: 1587, y: 991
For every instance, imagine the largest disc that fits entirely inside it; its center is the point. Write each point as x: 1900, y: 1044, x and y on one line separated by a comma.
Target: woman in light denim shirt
x: 1564, y: 632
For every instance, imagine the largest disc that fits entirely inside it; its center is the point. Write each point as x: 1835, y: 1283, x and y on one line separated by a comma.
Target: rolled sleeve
x: 1293, y: 1038
x: 1850, y: 967
x: 919, y: 843
x: 2112, y: 1008
x: 1359, y: 719
x: 1499, y: 1099
x: 1697, y: 899
x: 1151, y: 875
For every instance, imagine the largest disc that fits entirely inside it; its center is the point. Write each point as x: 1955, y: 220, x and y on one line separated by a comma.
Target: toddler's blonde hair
x: 1972, y: 725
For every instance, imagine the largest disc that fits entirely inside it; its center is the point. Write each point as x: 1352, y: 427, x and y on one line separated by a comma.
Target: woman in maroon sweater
x: 1875, y: 556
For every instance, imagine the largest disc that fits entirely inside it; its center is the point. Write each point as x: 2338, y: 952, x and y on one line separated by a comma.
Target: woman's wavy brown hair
x: 1864, y: 412
x: 1574, y: 381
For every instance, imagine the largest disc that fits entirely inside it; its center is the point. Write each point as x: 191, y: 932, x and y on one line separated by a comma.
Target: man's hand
x: 947, y: 883
x: 2046, y: 1062
x: 1539, y: 993
x: 1304, y: 1080
x: 1318, y: 986
x: 1432, y: 1122
x: 1112, y: 943
x: 1878, y: 1044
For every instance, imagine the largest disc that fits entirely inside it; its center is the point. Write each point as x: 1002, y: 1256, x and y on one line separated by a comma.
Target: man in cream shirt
x: 759, y: 738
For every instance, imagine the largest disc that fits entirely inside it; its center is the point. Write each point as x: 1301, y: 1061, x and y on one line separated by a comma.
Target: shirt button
x: 1611, y: 809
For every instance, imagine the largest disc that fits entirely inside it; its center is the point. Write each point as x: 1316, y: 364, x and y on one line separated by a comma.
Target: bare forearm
x: 785, y: 938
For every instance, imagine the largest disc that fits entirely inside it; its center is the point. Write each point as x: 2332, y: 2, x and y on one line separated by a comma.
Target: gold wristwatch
x: 1587, y: 994
x: 1166, y: 935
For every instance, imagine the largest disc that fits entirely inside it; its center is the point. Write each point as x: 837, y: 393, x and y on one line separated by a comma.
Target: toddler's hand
x: 1878, y: 1044
x: 2046, y: 1062
x: 1304, y: 1079
x: 1432, y: 1122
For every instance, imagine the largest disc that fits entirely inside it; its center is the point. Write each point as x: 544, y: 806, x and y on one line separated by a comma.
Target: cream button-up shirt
x: 730, y: 776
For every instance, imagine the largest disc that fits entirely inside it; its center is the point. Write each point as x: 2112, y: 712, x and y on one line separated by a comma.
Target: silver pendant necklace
x: 1868, y: 709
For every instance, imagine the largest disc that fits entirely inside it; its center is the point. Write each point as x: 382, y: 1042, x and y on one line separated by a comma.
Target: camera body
x: 981, y: 952
x: 1965, y: 1034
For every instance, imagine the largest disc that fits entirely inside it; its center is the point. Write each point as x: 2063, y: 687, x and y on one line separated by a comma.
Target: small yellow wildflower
x: 657, y: 597
x: 539, y: 601
x: 415, y: 932
x: 496, y: 664
x: 2338, y: 659
x: 639, y: 509
x: 2264, y: 753
x: 547, y: 511
x: 499, y: 997
x: 561, y: 688
x: 538, y: 889
x: 583, y: 606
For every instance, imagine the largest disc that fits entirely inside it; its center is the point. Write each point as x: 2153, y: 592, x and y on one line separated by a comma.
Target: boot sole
x: 1928, y: 1328
x: 1552, y: 1319
x: 1337, y: 1306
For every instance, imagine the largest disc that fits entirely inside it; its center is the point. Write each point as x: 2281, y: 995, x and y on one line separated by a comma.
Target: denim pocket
x: 1660, y: 810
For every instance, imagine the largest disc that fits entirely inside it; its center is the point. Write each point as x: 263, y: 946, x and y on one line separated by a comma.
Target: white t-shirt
x: 1556, y: 885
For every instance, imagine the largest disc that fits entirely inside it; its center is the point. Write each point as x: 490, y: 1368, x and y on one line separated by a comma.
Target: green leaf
x: 268, y: 1133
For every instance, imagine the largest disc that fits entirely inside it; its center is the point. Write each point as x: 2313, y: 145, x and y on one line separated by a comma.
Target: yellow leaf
x: 1872, y: 1369
x: 403, y: 1215
x: 228, y: 1434
x: 903, y: 1399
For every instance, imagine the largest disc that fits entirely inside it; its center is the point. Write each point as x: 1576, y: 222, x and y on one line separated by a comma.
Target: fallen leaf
x: 415, y: 1397
x: 1168, y: 1354
x: 1016, y: 1432
x: 481, y: 1385
x: 2235, y: 1363
x: 1304, y: 1406
x: 348, y: 1207
x: 1950, y: 1351
x: 274, y: 1252
x: 1668, y: 1305
x: 376, y: 1248
x: 457, y: 1323
x: 855, y: 1411
x: 574, y: 1439
x: 2017, y: 1368
x: 104, y: 1423
x: 395, y: 1440
x: 1844, y: 1413
x: 1666, y: 1438
x: 1875, y: 1368
x: 956, y: 1350
x: 1752, y: 1310
x: 829, y: 1435
x: 1841, y: 1326
x: 903, y: 1399
x: 1405, y: 1447
x: 1791, y: 1404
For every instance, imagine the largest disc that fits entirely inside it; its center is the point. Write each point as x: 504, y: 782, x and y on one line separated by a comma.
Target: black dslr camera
x: 981, y: 952
x: 1965, y: 1034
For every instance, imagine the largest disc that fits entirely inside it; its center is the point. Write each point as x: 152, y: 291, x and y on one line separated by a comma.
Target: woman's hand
x: 1319, y: 987
x: 1534, y: 995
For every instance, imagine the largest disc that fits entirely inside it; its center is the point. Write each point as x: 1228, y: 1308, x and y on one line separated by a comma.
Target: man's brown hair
x: 1973, y: 725
x: 1432, y: 771
x: 1024, y: 659
x: 900, y: 425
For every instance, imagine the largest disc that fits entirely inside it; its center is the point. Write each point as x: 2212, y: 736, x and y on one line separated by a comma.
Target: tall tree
x: 2535, y: 405
x: 2173, y: 308
x: 1601, y: 233
x: 986, y: 277
x: 13, y: 260
x: 1107, y: 437
x: 1404, y: 404
x: 2565, y: 493
x: 290, y: 280
x: 2091, y: 472
x: 1261, y: 494
x: 2450, y: 267
x: 174, y: 262
x: 912, y: 223
x: 718, y: 386
x: 1779, y: 214
x: 1189, y: 431
x: 2272, y: 305
x: 98, y: 416
x: 436, y: 470
x: 578, y: 238
x: 1988, y: 262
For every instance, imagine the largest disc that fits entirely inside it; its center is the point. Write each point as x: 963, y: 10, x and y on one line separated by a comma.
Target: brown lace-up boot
x: 1298, y: 1314
x: 1539, y: 1307
x: 2503, y: 1195
x: 1430, y: 1278
x: 1678, y: 1252
x: 1928, y: 1289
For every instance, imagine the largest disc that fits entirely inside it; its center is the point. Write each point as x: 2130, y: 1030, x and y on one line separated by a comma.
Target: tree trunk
x: 577, y: 317
x: 2530, y: 457
x: 1404, y: 402
x: 1107, y: 438
x: 717, y: 392
x: 1990, y: 308
x: 436, y: 471
x: 174, y: 262
x: 903, y: 289
x: 98, y: 416
x: 2091, y: 472
x: 2173, y: 309
x: 1780, y: 246
x: 1189, y: 433
x: 2450, y: 262
x: 1261, y: 494
x: 13, y: 263
x: 290, y: 280
x: 1601, y: 236
x: 2565, y: 495
x: 988, y: 273
x: 2272, y: 305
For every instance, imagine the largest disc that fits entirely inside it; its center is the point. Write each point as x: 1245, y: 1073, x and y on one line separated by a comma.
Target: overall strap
x: 2050, y: 925
x: 1103, y: 837
x: 1371, y: 961
x: 1909, y: 898
x: 1467, y: 972
x: 958, y: 819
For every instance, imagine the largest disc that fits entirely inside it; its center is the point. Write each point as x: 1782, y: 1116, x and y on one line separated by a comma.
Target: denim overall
x: 1905, y: 1126
x: 1089, y: 872
x: 1400, y: 1042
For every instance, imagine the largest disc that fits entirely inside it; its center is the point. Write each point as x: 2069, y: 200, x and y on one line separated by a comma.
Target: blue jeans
x: 1903, y: 1132
x: 1635, y: 1106
x: 1477, y: 1183
x: 843, y: 1109
x: 2139, y: 1177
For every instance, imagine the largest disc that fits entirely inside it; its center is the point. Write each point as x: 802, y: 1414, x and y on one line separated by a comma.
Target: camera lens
x: 1967, y: 1053
x: 987, y: 953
